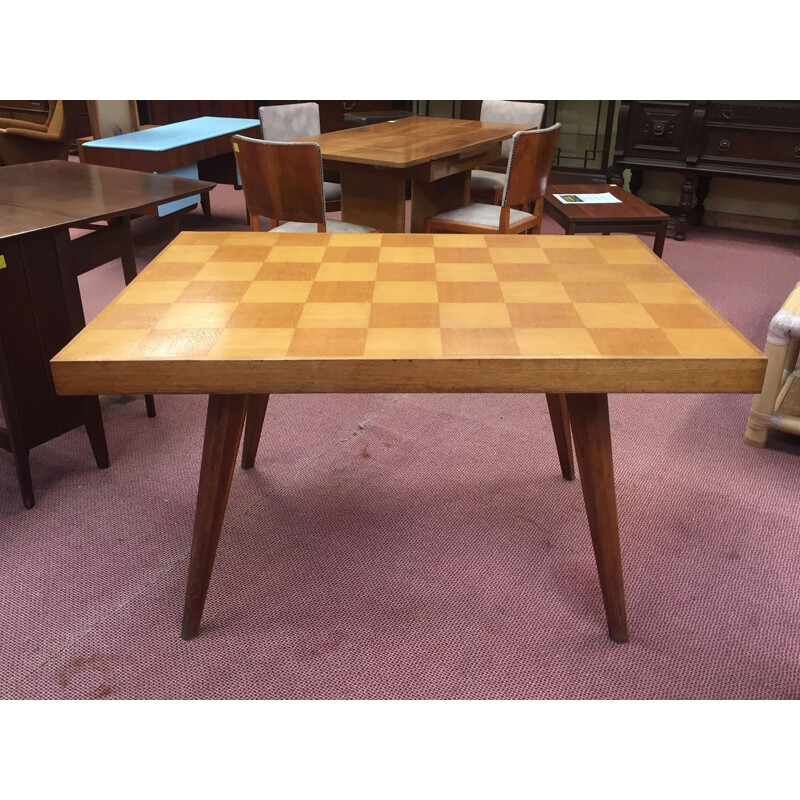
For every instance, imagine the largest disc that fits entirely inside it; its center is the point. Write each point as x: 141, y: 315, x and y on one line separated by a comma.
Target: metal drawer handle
x: 658, y: 128
x: 727, y: 112
x: 348, y: 107
x: 796, y: 151
x: 724, y: 145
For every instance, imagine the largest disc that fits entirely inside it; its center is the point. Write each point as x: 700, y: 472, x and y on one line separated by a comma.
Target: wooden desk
x: 577, y: 315
x: 40, y: 304
x: 436, y: 155
x: 632, y: 215
x: 195, y: 148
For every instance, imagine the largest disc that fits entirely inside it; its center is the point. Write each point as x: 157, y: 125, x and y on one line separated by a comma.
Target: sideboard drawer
x: 755, y: 147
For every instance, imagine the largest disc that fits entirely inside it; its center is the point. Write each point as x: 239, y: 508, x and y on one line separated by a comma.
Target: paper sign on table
x: 590, y: 197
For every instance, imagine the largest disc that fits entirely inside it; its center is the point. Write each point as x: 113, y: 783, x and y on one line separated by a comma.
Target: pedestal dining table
x: 434, y: 154
x: 238, y: 316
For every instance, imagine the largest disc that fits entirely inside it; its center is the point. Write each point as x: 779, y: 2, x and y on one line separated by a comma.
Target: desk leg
x: 559, y: 419
x: 661, y: 235
x: 588, y: 414
x: 436, y: 197
x: 224, y: 423
x: 375, y: 199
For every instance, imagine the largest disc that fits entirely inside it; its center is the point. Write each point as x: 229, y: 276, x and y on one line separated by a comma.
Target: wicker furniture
x: 778, y: 406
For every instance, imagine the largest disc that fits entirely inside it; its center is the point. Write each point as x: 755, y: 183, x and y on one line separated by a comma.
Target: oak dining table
x: 238, y: 316
x: 436, y: 155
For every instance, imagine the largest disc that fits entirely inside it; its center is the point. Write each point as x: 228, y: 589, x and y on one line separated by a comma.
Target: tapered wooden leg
x: 93, y: 420
x: 224, y: 423
x: 23, y: 468
x: 205, y: 203
x: 256, y: 409
x: 588, y: 414
x: 559, y: 419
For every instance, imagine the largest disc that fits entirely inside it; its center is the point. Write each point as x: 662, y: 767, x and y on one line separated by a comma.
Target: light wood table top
x: 261, y: 313
x: 411, y: 141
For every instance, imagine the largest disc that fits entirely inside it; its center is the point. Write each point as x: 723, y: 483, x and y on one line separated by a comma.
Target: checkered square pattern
x: 394, y: 296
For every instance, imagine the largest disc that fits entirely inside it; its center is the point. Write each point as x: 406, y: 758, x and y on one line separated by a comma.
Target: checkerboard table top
x: 261, y: 312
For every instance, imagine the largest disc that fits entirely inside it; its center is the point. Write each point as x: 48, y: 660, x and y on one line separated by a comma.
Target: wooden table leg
x: 431, y: 198
x: 376, y: 199
x: 588, y: 414
x: 224, y: 423
x: 559, y: 419
x: 256, y: 409
x: 661, y: 235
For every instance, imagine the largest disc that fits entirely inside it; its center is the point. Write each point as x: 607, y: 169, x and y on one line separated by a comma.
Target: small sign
x: 2, y: 262
x: 236, y: 147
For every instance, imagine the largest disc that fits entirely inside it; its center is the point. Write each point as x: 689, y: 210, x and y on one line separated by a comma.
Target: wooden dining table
x: 434, y: 154
x: 238, y: 316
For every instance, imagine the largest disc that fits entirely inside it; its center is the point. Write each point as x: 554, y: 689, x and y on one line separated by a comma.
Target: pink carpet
x: 415, y: 546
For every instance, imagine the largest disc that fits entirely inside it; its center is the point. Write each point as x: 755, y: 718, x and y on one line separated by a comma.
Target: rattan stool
x: 778, y: 405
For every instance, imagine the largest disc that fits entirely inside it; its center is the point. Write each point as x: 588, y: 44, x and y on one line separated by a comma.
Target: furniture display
x: 574, y: 317
x: 525, y: 185
x: 283, y: 181
x: 436, y: 155
x: 777, y: 407
x: 702, y: 139
x: 486, y: 186
x: 21, y: 142
x: 631, y: 215
x: 195, y: 149
x: 40, y: 304
x: 287, y: 122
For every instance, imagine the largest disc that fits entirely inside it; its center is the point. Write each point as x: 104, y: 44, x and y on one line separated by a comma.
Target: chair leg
x: 255, y: 224
x: 256, y: 409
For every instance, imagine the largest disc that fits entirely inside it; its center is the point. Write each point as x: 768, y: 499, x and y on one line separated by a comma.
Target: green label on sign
x: 2, y: 262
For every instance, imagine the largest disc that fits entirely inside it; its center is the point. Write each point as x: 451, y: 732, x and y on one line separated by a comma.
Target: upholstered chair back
x: 511, y: 112
x: 292, y: 121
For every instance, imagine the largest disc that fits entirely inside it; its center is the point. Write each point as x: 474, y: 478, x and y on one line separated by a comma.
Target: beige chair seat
x: 481, y: 214
x: 332, y: 192
x: 332, y: 225
x: 482, y: 179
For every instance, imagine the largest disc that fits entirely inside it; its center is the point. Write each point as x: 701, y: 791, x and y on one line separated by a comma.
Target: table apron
x: 559, y: 376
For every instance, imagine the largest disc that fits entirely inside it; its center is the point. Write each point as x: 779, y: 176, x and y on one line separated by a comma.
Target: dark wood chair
x: 525, y: 186
x: 283, y: 182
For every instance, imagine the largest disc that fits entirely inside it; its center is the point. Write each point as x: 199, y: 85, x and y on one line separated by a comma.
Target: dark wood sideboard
x: 753, y: 139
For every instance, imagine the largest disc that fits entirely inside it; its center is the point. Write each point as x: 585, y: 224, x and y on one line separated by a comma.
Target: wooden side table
x: 632, y: 215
